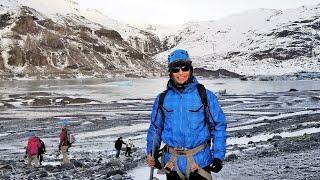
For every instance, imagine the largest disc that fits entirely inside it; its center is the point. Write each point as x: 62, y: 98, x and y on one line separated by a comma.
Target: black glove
x: 216, y: 165
x: 157, y: 155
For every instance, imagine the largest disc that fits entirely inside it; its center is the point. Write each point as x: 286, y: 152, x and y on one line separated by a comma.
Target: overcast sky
x: 173, y: 12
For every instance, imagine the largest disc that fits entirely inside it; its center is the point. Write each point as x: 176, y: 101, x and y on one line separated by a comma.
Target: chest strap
x: 176, y: 152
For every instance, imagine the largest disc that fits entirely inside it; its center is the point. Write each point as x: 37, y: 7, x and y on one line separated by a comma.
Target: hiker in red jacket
x: 32, y: 150
x: 64, y: 144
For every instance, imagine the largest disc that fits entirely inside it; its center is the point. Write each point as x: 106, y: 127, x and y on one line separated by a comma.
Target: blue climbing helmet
x: 179, y: 56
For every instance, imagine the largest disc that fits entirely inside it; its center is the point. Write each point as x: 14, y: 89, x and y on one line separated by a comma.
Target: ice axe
x: 154, y: 147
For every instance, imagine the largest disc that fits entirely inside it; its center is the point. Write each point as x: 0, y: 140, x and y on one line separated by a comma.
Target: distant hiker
x: 188, y: 119
x: 42, y: 151
x: 129, y: 146
x: 64, y: 144
x: 32, y: 150
x: 118, y: 146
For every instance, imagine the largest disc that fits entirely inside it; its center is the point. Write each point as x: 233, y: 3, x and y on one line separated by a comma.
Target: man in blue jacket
x: 194, y: 132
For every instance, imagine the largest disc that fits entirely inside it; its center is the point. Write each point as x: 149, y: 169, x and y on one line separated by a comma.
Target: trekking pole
x: 154, y: 143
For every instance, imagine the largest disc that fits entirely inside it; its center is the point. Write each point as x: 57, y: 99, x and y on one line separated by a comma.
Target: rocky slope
x: 63, y: 42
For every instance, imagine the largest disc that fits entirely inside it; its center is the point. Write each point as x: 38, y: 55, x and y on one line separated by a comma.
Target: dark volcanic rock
x: 16, y: 57
x: 315, y: 25
x: 67, y: 166
x: 218, y: 73
x: 281, y: 53
x: 286, y: 33
x: 231, y: 157
x: 292, y: 90
x: 25, y: 25
x: 112, y: 34
x: 41, y: 102
x: 4, y: 20
x: 43, y: 174
x: 68, y: 100
x: 49, y: 168
x: 1, y: 62
x: 115, y: 172
x: 76, y: 163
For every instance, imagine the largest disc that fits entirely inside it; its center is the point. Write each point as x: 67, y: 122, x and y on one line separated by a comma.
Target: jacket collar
x: 189, y: 87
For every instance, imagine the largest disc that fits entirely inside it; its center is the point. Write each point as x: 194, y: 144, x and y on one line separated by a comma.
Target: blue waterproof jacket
x: 184, y: 127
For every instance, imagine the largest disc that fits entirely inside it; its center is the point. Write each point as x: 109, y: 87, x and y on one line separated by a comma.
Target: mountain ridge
x: 255, y: 42
x: 57, y: 38
x: 64, y: 44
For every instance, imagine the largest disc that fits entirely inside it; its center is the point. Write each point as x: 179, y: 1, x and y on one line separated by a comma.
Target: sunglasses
x: 177, y: 69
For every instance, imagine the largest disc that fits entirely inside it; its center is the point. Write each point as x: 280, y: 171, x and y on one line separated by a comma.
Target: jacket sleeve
x: 155, y: 128
x: 218, y: 126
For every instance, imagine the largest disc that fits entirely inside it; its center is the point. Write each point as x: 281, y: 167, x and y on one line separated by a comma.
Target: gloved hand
x: 216, y: 165
x: 154, y: 162
x: 150, y: 161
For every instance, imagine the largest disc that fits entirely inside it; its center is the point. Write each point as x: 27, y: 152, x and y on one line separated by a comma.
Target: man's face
x: 180, y: 74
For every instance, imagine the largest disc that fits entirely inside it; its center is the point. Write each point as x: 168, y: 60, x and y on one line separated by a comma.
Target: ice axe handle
x: 154, y: 144
x: 151, y: 173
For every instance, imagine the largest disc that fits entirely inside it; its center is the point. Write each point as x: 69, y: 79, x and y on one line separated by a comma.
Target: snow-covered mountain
x: 256, y: 42
x: 56, y: 37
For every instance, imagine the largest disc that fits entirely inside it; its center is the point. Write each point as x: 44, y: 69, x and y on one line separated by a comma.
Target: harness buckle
x: 180, y: 150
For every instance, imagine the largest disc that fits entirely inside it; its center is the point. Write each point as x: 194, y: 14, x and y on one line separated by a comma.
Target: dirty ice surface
x: 271, y: 130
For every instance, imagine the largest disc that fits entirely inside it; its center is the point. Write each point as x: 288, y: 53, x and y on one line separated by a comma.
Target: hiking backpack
x: 33, y: 146
x: 71, y: 138
x: 203, y: 97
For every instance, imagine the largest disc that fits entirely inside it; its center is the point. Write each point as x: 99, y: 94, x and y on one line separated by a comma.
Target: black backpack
x: 42, y: 148
x: 204, y: 100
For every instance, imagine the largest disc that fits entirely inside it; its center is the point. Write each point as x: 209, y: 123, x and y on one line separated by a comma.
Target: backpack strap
x: 161, y: 98
x: 160, y: 104
x: 203, y: 96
